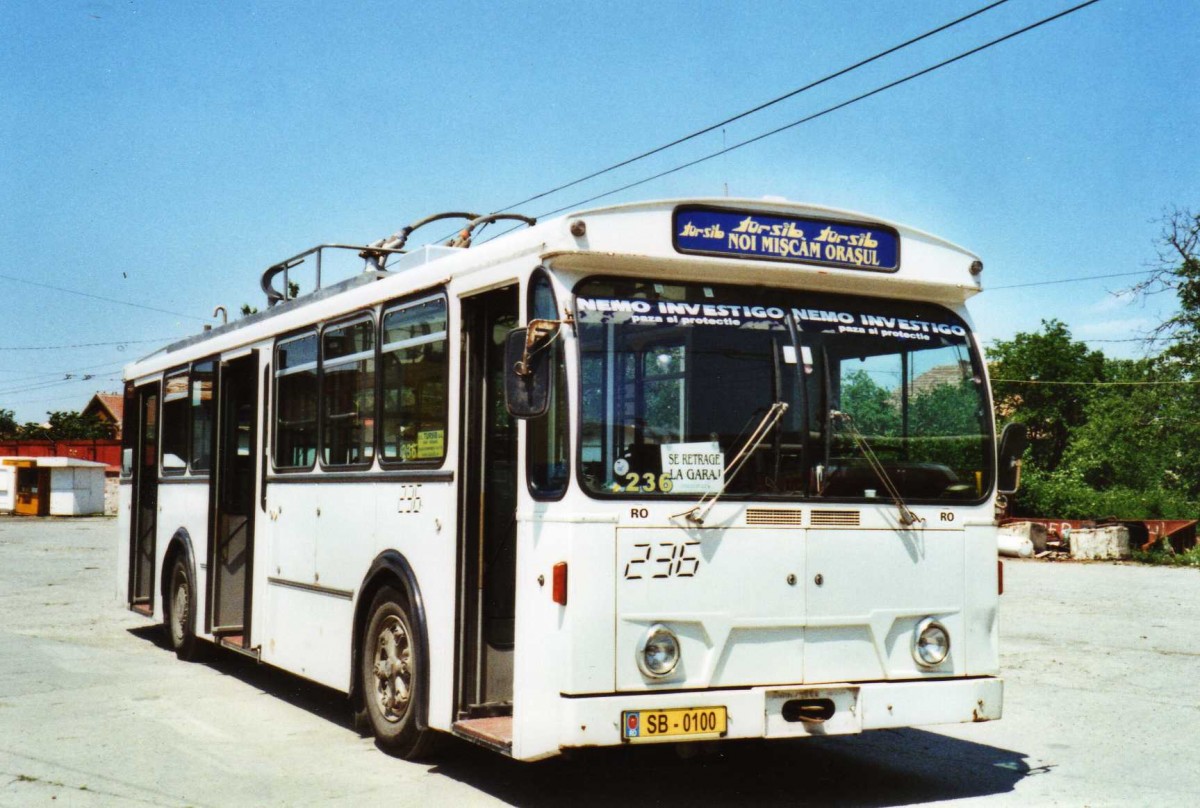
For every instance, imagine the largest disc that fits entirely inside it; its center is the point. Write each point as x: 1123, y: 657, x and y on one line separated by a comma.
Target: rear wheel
x: 390, y: 668
x: 180, y: 605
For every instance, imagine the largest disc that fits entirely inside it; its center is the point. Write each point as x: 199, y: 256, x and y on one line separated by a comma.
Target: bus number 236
x: 665, y: 559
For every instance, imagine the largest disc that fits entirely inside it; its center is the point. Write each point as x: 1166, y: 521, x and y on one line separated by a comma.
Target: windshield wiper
x: 697, y: 512
x: 907, y: 517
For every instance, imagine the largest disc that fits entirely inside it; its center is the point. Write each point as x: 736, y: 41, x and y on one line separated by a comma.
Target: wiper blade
x: 697, y: 512
x: 907, y: 517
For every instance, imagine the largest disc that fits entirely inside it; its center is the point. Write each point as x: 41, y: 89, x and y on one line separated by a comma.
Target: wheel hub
x: 393, y: 669
x: 179, y: 611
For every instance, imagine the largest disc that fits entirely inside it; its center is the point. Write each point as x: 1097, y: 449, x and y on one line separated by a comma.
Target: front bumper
x: 758, y: 712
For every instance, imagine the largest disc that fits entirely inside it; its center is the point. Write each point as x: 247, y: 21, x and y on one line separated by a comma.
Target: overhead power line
x: 759, y: 108
x: 739, y: 116
x: 40, y: 386
x: 884, y: 88
x: 60, y: 397
x: 46, y: 385
x: 101, y: 297
x: 1093, y: 384
x: 77, y: 374
x: 109, y: 364
x: 81, y: 345
x: 1070, y: 280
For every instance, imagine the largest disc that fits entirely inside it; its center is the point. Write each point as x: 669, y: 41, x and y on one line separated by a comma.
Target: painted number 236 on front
x: 664, y: 559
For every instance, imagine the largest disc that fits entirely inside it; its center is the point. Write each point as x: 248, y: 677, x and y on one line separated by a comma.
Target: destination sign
x: 786, y: 238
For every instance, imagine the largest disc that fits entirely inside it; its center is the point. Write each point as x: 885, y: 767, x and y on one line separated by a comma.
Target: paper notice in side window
x: 694, y: 468
x: 431, y: 444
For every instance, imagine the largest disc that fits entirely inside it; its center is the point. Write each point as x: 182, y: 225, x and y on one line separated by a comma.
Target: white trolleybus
x: 669, y: 471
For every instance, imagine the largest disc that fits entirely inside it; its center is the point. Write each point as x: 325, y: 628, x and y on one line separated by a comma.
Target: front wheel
x: 180, y: 605
x: 390, y: 667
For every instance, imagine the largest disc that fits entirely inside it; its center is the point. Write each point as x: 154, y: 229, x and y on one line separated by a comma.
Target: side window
x: 348, y: 393
x: 296, y: 402
x: 546, y: 451
x: 202, y: 415
x: 175, y: 424
x: 414, y: 381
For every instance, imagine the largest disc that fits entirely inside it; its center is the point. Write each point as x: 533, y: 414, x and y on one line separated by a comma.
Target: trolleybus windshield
x: 675, y: 377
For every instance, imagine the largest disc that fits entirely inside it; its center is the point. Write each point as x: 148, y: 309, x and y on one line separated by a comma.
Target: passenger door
x: 488, y: 508
x: 232, y: 499
x: 145, y: 499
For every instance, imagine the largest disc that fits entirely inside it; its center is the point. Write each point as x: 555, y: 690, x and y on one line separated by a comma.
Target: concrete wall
x: 8, y: 489
x: 76, y: 491
x: 112, y: 491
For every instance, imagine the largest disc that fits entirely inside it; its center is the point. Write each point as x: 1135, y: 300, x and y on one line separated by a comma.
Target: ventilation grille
x: 835, y: 518
x: 771, y: 516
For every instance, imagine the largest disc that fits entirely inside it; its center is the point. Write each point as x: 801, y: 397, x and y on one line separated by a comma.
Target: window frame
x: 361, y: 316
x: 179, y: 471
x: 215, y: 359
x: 388, y: 307
x: 314, y: 331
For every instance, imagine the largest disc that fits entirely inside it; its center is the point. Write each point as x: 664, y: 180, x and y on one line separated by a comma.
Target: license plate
x: 685, y: 722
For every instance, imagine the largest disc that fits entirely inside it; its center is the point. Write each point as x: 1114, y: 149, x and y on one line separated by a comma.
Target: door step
x: 236, y: 642
x: 495, y: 733
x: 142, y: 609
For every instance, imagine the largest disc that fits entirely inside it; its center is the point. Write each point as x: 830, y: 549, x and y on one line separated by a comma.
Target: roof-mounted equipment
x: 463, y: 239
x: 374, y: 251
x: 275, y: 296
x: 375, y: 254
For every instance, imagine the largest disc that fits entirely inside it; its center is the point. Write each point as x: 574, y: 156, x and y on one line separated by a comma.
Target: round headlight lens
x: 660, y: 652
x: 931, y: 643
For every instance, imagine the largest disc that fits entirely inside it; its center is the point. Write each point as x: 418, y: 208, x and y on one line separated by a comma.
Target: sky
x: 162, y: 155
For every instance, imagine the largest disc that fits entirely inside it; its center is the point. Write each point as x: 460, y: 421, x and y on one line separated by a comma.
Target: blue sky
x: 165, y: 153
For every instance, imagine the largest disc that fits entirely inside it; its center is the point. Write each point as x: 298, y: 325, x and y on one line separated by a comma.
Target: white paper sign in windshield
x: 694, y: 468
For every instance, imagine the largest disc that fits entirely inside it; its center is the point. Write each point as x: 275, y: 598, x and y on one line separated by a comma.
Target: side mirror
x: 1013, y: 441
x: 527, y: 378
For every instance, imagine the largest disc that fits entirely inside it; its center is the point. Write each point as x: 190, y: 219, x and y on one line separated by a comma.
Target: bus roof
x: 767, y: 241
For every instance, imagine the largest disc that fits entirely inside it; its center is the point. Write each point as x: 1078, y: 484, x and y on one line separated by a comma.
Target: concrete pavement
x: 1101, y: 663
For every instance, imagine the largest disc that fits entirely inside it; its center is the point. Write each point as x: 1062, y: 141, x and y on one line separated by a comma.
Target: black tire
x: 179, y: 610
x: 390, y: 678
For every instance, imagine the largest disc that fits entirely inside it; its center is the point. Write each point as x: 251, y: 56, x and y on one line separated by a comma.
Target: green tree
x: 63, y: 425
x: 8, y: 424
x: 1133, y: 455
x: 946, y: 410
x: 1126, y: 449
x: 1020, y: 368
x: 872, y: 406
x: 1135, y: 433
x: 1177, y: 272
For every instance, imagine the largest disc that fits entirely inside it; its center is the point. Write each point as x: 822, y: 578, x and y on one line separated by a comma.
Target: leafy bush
x: 1066, y: 494
x: 1162, y: 556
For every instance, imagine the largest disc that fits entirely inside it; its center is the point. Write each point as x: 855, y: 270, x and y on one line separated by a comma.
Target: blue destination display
x: 786, y: 238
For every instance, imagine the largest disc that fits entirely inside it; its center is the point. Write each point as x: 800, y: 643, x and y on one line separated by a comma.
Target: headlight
x: 931, y: 643
x: 659, y: 653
